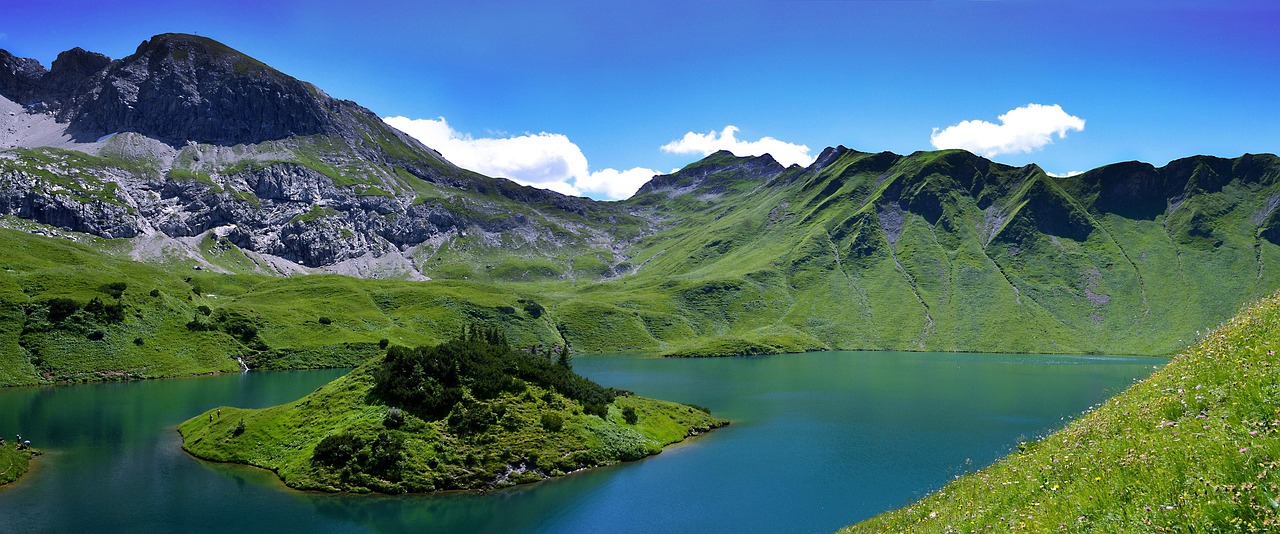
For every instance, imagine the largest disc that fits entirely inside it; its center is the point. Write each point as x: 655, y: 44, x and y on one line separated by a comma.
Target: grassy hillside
x: 938, y: 250
x: 932, y: 251
x: 1193, y: 448
x: 464, y: 415
x: 71, y: 312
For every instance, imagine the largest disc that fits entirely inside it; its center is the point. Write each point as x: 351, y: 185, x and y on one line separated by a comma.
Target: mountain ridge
x: 934, y: 250
x: 197, y: 137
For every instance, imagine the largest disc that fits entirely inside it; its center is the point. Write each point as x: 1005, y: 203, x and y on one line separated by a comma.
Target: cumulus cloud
x: 1024, y: 129
x: 615, y: 184
x: 545, y: 160
x: 1068, y: 174
x: 704, y: 144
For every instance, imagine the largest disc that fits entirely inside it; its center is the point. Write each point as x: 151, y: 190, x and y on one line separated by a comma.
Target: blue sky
x: 617, y: 81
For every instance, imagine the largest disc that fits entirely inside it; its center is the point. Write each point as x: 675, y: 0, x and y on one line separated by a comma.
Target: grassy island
x: 1193, y: 448
x: 14, y: 462
x: 469, y: 414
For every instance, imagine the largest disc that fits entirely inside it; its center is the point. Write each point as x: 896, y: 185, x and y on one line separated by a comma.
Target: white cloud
x: 615, y: 184
x: 545, y: 160
x: 1024, y: 129
x: 1068, y: 174
x: 782, y: 151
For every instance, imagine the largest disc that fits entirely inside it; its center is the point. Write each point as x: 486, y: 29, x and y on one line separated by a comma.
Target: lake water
x: 818, y: 441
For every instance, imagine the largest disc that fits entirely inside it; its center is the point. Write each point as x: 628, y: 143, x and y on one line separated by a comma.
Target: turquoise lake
x: 818, y: 441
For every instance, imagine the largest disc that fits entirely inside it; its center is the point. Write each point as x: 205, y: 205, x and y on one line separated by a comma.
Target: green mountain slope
x: 949, y: 251
x: 932, y: 251
x: 1192, y: 448
x: 151, y: 321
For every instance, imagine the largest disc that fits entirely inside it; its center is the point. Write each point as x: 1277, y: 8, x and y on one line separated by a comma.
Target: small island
x: 469, y: 414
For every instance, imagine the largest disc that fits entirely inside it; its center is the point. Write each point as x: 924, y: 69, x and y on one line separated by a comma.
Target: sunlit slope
x: 949, y: 251
x: 1191, y: 449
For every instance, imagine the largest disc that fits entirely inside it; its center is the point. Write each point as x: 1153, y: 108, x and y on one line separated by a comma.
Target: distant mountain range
x: 191, y: 155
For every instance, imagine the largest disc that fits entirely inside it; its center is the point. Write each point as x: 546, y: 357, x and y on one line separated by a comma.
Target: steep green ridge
x: 468, y: 414
x: 1192, y: 448
x: 948, y: 251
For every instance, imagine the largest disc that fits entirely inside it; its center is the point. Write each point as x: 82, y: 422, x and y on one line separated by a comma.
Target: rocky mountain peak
x: 182, y: 88
x: 176, y: 88
x: 78, y: 63
x: 186, y: 52
x: 19, y: 77
x: 715, y: 174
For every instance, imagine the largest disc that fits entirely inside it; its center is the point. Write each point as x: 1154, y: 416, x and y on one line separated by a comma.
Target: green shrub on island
x: 429, y: 381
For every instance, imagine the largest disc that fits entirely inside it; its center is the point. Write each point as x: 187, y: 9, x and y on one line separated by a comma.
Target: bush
x: 598, y: 409
x: 563, y: 359
x: 138, y: 341
x: 385, y: 457
x: 60, y: 308
x: 629, y: 415
x: 239, y: 326
x: 204, y: 310
x: 552, y: 421
x: 238, y: 430
x: 382, y: 343
x: 102, y: 312
x: 154, y: 292
x: 325, y: 320
x: 429, y: 380
x: 97, y: 335
x: 532, y: 308
x: 418, y: 381
x: 394, y: 418
x: 465, y: 419
x: 115, y: 289
x: 336, y: 450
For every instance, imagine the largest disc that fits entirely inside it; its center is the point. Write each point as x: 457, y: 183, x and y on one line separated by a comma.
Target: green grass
x: 14, y: 463
x: 518, y: 446
x: 316, y: 213
x: 1192, y: 448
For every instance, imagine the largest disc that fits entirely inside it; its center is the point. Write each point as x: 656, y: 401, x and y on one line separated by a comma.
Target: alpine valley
x: 188, y: 210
